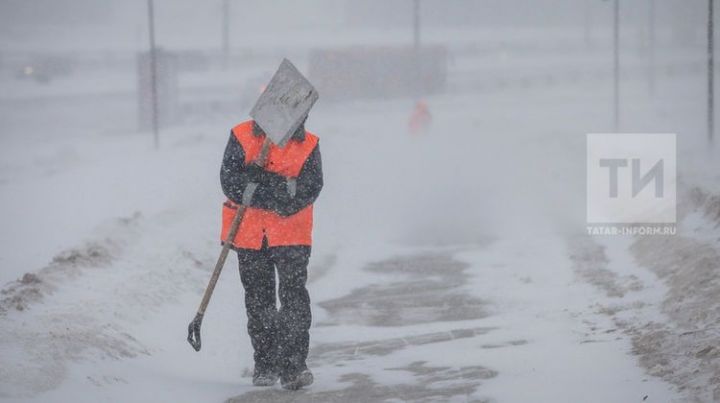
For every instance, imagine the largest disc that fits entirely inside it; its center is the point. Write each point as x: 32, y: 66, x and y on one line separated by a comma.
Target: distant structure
x: 167, y: 89
x: 378, y: 71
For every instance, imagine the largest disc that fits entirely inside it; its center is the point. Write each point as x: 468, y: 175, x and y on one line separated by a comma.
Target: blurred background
x: 215, y: 56
x: 482, y: 81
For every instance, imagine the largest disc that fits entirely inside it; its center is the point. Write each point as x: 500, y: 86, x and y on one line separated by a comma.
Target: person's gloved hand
x: 255, y: 173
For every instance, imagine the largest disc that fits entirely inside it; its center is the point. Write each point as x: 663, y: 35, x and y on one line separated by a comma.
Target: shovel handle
x: 194, y: 327
x: 260, y: 161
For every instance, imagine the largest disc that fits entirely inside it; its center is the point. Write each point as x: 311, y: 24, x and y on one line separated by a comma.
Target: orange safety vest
x: 257, y: 223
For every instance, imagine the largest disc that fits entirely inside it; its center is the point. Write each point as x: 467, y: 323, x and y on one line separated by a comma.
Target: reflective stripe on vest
x: 256, y: 224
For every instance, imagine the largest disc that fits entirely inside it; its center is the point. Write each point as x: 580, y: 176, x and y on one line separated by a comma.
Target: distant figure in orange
x: 420, y: 120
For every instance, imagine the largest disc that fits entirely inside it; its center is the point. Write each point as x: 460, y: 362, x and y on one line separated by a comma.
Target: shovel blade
x: 284, y: 104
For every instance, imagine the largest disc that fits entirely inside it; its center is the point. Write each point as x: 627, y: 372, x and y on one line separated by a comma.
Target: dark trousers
x: 280, y: 337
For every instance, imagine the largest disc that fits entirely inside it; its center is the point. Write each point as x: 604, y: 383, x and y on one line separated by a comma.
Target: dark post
x: 651, y: 47
x: 417, y: 59
x: 153, y: 74
x: 587, y: 23
x: 226, y: 32
x: 616, y: 62
x: 416, y: 24
x: 711, y: 73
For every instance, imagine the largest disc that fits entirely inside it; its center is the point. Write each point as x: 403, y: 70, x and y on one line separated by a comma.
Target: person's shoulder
x: 311, y: 136
x: 243, y: 127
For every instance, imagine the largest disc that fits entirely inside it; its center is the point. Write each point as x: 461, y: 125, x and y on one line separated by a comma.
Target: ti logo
x: 631, y: 178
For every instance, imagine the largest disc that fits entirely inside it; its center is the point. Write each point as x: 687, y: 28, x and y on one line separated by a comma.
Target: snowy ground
x: 451, y: 267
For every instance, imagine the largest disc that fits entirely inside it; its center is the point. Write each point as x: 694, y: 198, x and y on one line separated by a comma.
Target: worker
x: 275, y: 235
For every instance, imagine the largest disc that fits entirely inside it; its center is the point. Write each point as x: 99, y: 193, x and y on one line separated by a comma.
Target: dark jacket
x: 272, y: 192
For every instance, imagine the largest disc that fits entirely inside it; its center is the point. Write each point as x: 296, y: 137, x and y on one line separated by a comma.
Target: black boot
x: 297, y: 381
x: 264, y: 377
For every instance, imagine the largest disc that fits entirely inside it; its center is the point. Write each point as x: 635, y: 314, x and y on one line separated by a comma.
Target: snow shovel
x: 280, y: 110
